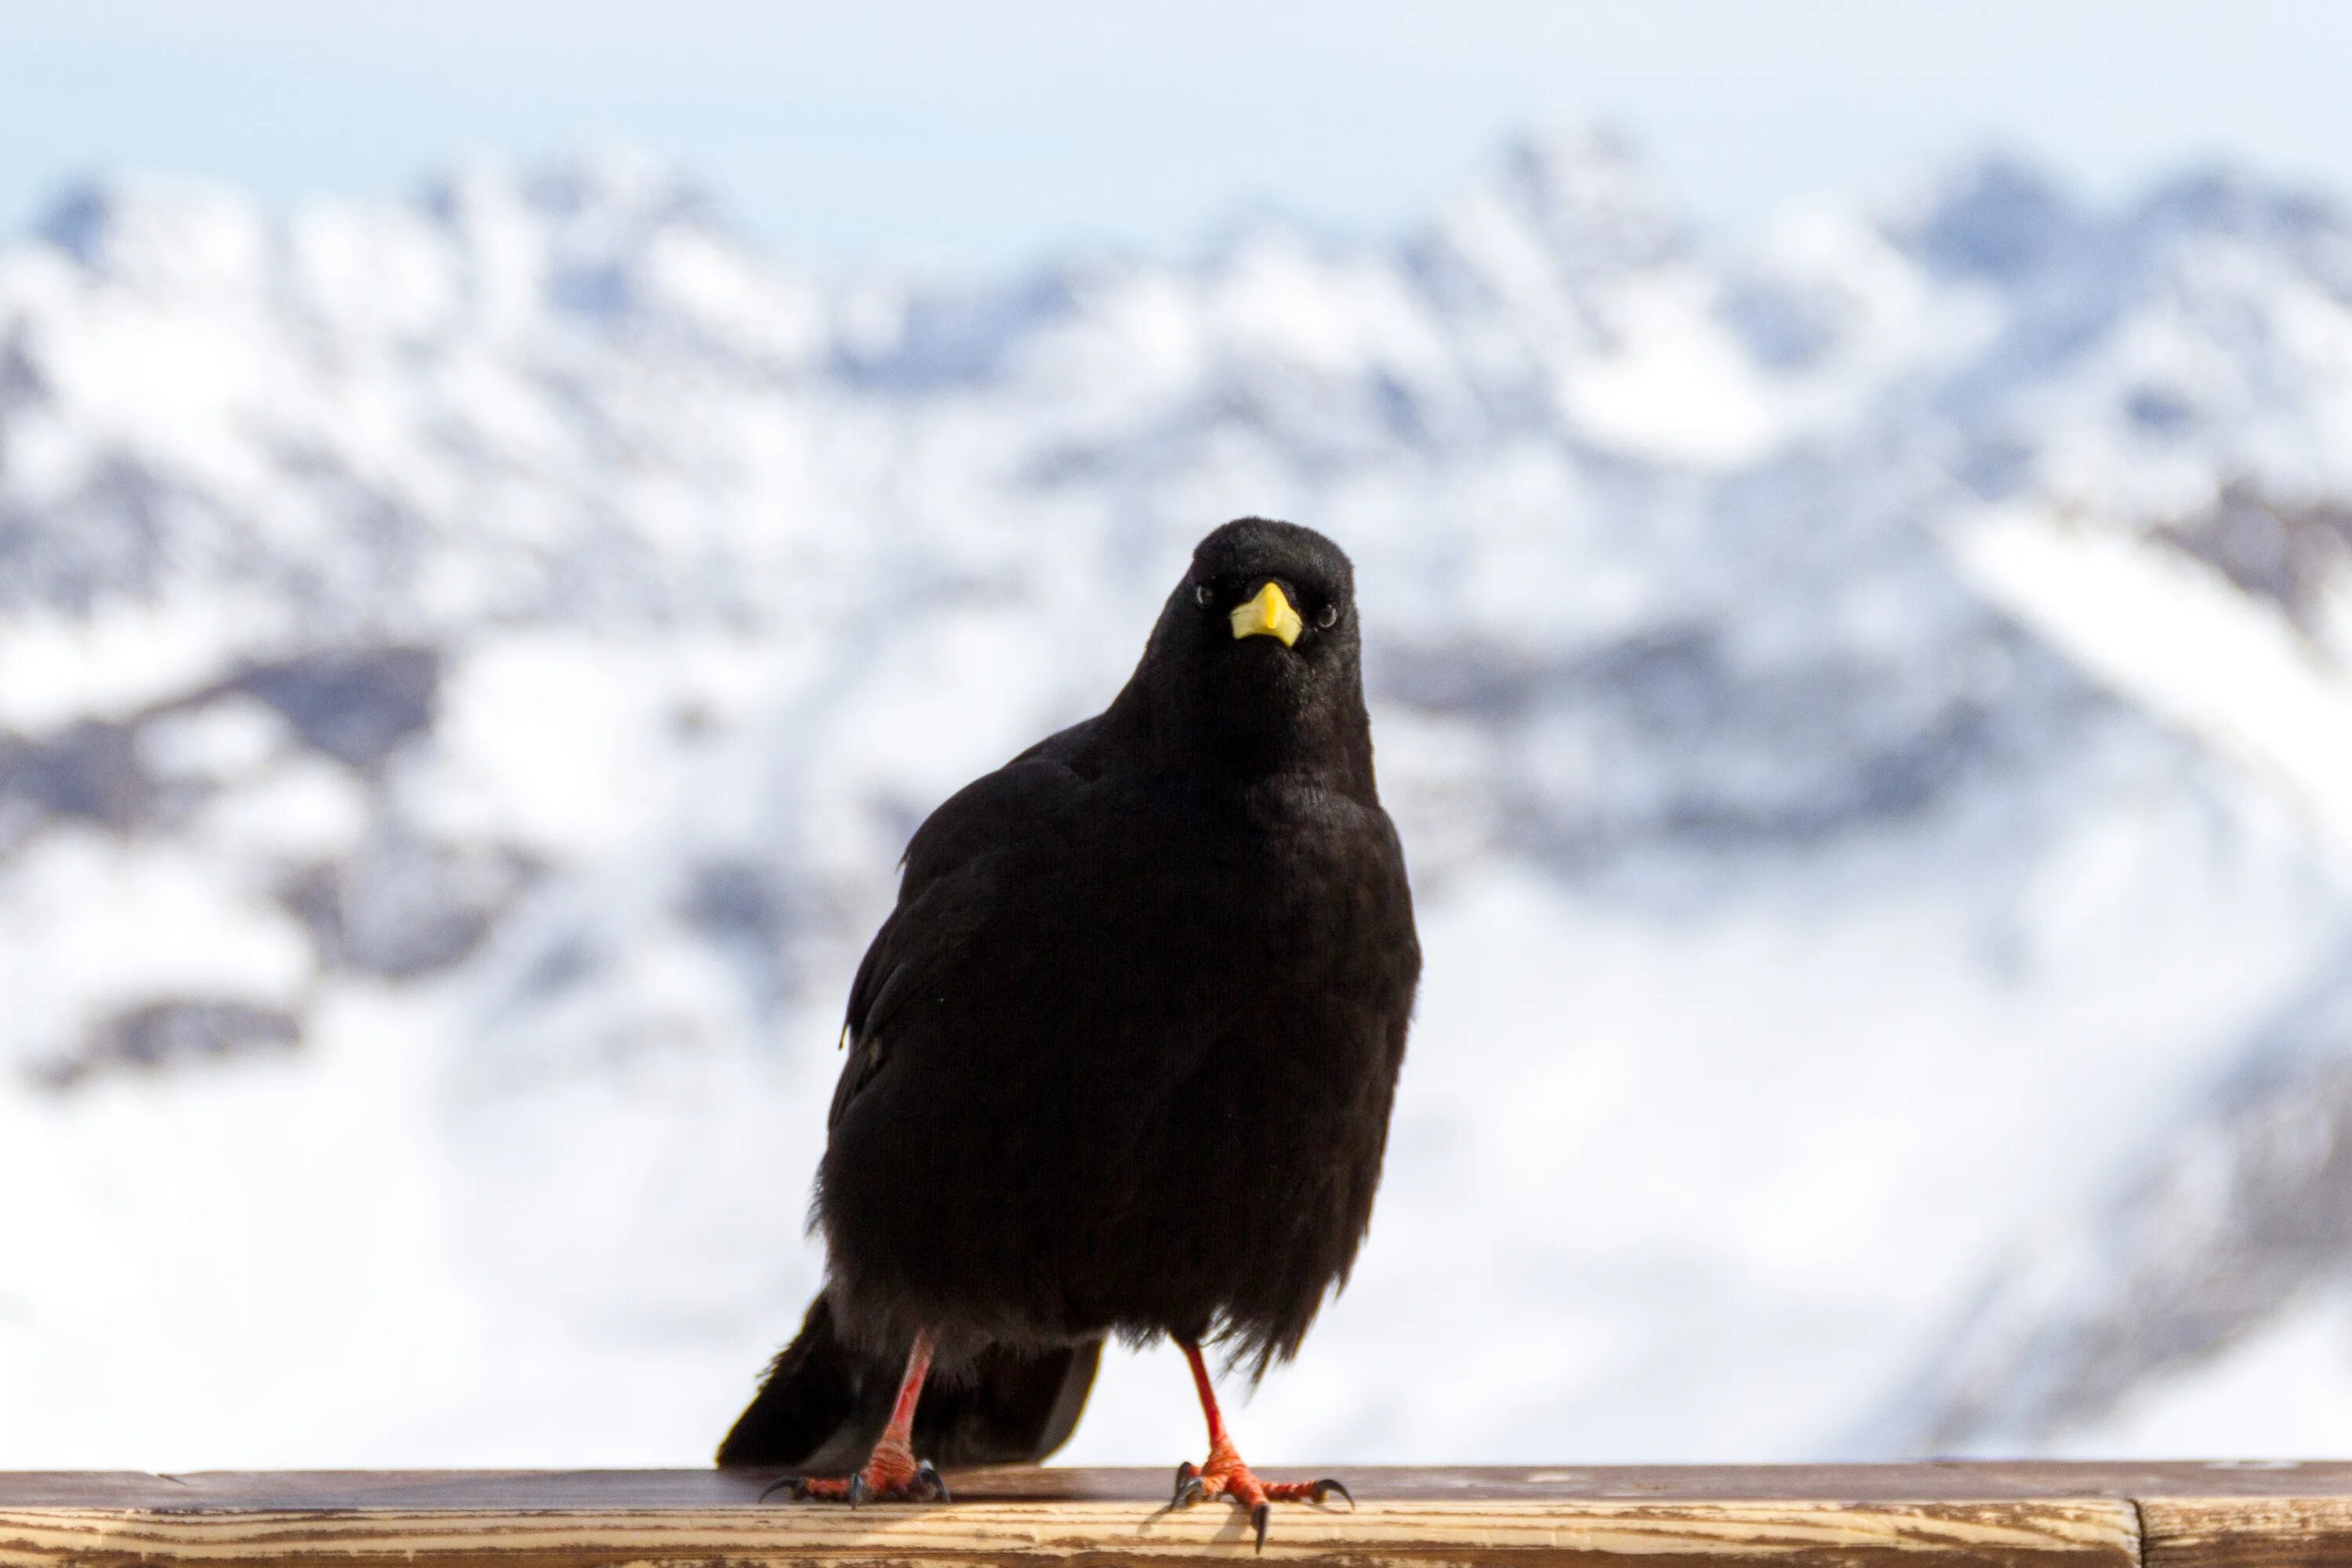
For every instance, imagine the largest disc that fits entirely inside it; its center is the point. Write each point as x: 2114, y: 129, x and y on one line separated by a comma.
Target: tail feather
x: 822, y: 1407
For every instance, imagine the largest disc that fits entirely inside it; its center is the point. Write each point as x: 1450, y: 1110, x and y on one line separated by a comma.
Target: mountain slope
x: 468, y: 665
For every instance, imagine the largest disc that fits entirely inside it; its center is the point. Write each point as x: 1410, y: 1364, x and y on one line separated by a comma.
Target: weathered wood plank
x: 2302, y: 1531
x: 1896, y: 1516
x: 2093, y: 1534
x: 1795, y: 1516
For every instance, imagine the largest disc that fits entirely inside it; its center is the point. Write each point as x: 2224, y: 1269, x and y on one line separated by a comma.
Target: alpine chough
x: 1120, y: 1060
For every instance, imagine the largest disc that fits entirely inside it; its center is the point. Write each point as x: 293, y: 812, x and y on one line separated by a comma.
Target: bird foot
x: 892, y: 1475
x: 1225, y: 1476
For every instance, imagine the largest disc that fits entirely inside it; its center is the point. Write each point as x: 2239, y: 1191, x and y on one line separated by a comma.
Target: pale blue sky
x: 951, y: 135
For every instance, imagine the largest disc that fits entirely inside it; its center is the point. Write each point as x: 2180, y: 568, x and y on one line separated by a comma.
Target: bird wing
x: 945, y: 893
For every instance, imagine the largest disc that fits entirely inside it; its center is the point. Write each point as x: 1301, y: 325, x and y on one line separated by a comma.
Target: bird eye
x: 1204, y: 596
x: 1327, y: 617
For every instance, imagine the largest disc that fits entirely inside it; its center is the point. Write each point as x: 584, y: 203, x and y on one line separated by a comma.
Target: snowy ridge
x: 468, y: 665
x: 2228, y: 1239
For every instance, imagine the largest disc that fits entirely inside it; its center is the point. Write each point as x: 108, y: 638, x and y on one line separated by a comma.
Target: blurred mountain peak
x: 159, y: 233
x: 1996, y: 215
x: 1588, y: 190
x: 607, y: 191
x: 2228, y: 198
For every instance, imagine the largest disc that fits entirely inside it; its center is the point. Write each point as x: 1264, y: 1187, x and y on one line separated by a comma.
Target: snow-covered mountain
x: 1867, y: 704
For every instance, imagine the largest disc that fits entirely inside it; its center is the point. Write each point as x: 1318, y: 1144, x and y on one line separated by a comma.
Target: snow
x: 1674, y: 390
x: 2173, y: 635
x: 468, y: 666
x: 56, y: 668
x: 2260, y: 1401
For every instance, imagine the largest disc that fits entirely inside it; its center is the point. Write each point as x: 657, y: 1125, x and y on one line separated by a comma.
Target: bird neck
x: 1239, y: 745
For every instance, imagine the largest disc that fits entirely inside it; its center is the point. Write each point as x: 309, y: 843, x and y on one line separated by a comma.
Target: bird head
x: 1255, y: 664
x: 1287, y: 584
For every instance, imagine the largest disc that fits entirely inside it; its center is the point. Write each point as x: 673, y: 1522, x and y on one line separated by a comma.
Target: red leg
x: 892, y: 1473
x: 1226, y: 1476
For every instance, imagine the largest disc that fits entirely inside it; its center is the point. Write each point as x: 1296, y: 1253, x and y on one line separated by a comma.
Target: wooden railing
x: 2187, y: 1515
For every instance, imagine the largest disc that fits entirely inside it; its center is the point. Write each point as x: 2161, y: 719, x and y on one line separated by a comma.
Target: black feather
x: 821, y: 1407
x: 1121, y: 1059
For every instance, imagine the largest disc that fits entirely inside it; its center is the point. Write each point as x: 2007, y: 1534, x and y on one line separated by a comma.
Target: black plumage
x: 1121, y: 1059
x: 822, y: 1406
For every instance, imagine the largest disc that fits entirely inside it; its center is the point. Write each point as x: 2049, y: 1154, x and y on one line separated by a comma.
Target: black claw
x: 857, y: 1489
x: 1260, y: 1516
x: 1189, y: 1489
x: 795, y: 1485
x: 1327, y: 1486
x: 937, y: 1488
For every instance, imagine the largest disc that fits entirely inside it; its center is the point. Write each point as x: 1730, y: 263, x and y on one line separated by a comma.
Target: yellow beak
x: 1268, y: 615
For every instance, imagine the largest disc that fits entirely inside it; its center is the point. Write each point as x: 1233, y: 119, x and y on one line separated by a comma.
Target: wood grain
x: 2248, y: 1531
x: 1896, y: 1516
x: 2098, y: 1531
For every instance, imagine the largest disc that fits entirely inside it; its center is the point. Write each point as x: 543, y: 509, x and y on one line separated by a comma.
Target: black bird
x: 1121, y: 1059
